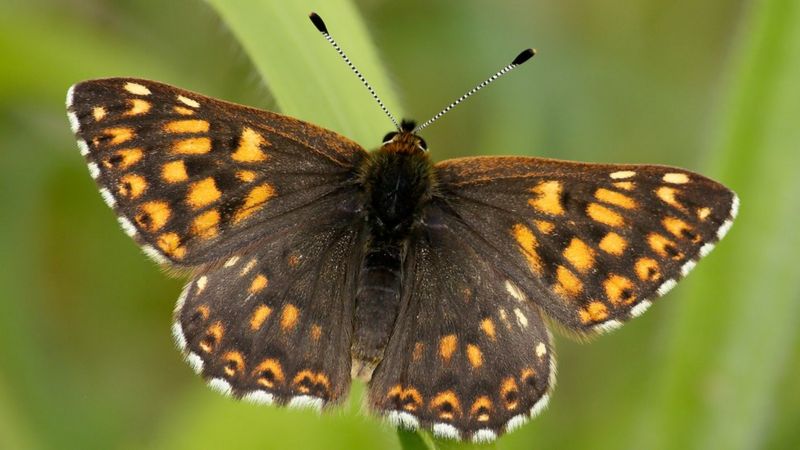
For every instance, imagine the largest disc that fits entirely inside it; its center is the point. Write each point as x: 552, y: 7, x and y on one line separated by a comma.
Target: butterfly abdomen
x: 397, y: 182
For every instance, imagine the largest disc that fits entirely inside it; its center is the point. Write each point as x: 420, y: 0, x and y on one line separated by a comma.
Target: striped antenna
x: 317, y: 21
x: 521, y: 58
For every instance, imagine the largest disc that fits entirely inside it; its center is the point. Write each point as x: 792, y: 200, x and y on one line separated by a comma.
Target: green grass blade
x: 304, y: 73
x: 739, y: 323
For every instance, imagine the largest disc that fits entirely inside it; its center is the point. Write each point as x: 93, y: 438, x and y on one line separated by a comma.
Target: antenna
x: 521, y: 58
x: 317, y: 21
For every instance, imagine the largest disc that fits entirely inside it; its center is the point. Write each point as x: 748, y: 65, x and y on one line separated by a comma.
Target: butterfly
x: 314, y: 262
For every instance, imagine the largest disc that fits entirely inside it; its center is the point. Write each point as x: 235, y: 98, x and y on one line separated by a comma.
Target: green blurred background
x: 86, y: 358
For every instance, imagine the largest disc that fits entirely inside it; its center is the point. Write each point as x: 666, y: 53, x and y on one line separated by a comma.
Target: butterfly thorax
x: 397, y: 181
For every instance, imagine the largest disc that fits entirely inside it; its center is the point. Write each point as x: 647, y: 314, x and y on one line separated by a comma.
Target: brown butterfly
x: 314, y: 261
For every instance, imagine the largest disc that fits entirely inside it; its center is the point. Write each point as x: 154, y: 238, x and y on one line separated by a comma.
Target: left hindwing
x: 195, y: 179
x: 591, y: 244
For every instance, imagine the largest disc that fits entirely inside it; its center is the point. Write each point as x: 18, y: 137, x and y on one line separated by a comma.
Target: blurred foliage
x: 86, y: 359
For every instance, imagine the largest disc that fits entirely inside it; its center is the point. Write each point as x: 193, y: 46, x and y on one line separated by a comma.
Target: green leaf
x: 304, y: 73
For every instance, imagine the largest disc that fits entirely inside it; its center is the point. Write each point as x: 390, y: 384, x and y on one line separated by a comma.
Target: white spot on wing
x: 516, y: 422
x: 622, y: 174
x: 154, y: 254
x: 259, y: 397
x: 686, y: 268
x: 83, y: 147
x: 70, y: 95
x: 136, y: 88
x: 249, y: 266
x: 540, y: 405
x: 201, y: 283
x: 723, y: 230
x: 306, y: 402
x: 107, y: 197
x: 676, y: 178
x: 127, y: 226
x: 195, y: 362
x: 94, y: 171
x: 402, y: 419
x: 640, y: 308
x: 188, y: 101
x: 706, y: 249
x: 541, y: 349
x: 177, y: 335
x: 735, y: 206
x: 182, y: 297
x: 514, y: 291
x: 666, y: 287
x: 74, y: 125
x: 231, y: 261
x: 221, y: 386
x: 521, y: 319
x: 608, y: 325
x: 445, y: 430
x: 484, y: 435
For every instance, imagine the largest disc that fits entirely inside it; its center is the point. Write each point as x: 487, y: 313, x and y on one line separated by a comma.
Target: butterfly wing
x: 468, y: 358
x: 262, y: 208
x: 592, y: 245
x: 195, y: 179
x: 274, y: 325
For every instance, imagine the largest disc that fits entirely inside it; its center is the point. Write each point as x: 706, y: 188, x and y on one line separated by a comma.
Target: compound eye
x: 389, y: 136
x: 423, y: 144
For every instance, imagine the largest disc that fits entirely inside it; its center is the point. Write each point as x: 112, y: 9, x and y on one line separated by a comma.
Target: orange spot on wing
x: 170, y: 243
x: 647, y: 269
x: 447, y: 346
x: 615, y: 198
x: 408, y: 398
x: 246, y: 175
x: 259, y: 283
x: 202, y: 193
x: 663, y: 246
x: 254, y: 201
x: 289, y: 317
x: 212, y: 337
x: 98, y: 112
x: 416, y: 355
x: 131, y: 186
x: 567, y: 284
x: 205, y: 225
x: 625, y: 185
x: 481, y: 409
x: 509, y: 392
x: 667, y: 195
x: 234, y: 363
x: 679, y: 228
x: 138, y: 106
x: 544, y: 226
x: 183, y: 111
x: 123, y: 159
x: 153, y: 215
x: 447, y: 405
x: 187, y: 126
x: 487, y: 326
x: 316, y: 332
x: 548, y: 198
x: 703, y: 213
x: 192, y: 146
x: 117, y: 135
x: 269, y: 373
x: 249, y: 149
x: 174, y: 172
x: 474, y: 355
x: 594, y: 312
x: 604, y: 215
x: 260, y: 314
x: 619, y: 290
x: 580, y: 255
x: 613, y: 243
x: 527, y: 243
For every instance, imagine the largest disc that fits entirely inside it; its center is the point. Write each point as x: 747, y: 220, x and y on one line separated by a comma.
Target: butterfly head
x: 405, y: 140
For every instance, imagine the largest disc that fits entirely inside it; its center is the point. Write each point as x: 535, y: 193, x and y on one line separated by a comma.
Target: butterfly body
x: 313, y: 261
